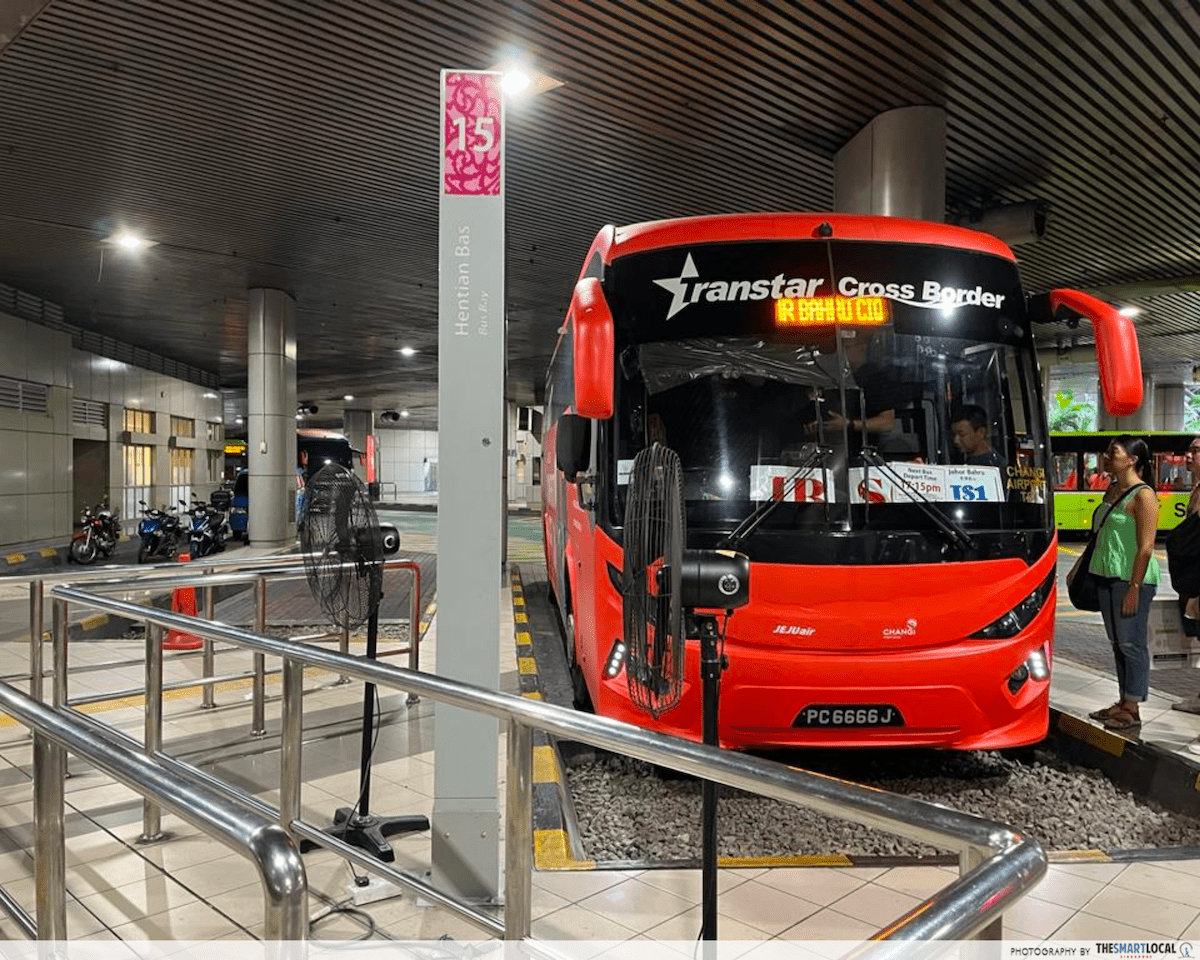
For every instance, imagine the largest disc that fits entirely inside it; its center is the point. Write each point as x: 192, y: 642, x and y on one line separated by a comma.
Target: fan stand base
x: 369, y: 833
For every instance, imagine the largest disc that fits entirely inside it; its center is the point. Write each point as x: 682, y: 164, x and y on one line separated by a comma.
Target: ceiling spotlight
x: 348, y: 396
x: 238, y: 420
x: 1129, y: 311
x: 407, y: 351
x: 299, y: 416
x: 404, y: 413
x: 514, y: 81
x: 520, y: 79
x: 128, y: 240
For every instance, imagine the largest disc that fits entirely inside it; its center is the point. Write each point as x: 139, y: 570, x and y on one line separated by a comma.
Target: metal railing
x: 215, y: 573
x: 998, y: 864
x: 251, y: 833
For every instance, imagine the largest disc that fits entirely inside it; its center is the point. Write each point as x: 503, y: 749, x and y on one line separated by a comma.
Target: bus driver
x: 870, y: 394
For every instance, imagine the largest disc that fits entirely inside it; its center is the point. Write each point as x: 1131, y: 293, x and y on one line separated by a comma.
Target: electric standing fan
x: 661, y: 580
x: 344, y: 546
x: 653, y: 610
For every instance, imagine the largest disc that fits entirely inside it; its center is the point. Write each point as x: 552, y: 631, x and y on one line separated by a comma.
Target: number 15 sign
x: 471, y: 134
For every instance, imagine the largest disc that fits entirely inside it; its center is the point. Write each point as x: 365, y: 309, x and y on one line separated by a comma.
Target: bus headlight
x: 1020, y: 616
x: 1036, y: 666
x: 1039, y: 666
x: 616, y: 660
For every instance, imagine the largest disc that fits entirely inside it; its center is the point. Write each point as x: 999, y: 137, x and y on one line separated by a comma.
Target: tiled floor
x: 189, y: 888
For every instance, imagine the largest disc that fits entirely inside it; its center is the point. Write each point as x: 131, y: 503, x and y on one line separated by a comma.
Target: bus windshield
x: 914, y: 376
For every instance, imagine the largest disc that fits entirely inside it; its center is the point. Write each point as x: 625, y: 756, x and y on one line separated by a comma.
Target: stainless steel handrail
x: 233, y: 571
x: 999, y: 864
x: 265, y: 843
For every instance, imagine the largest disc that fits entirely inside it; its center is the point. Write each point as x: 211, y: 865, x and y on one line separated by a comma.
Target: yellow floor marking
x: 527, y: 666
x: 550, y: 852
x: 1078, y: 856
x: 545, y: 765
x: 1095, y: 736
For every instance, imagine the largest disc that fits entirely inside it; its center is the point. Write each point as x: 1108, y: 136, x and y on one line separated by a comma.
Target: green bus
x: 1079, y: 482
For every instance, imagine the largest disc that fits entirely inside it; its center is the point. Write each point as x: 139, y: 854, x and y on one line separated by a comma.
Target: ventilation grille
x: 24, y: 396
x: 89, y: 413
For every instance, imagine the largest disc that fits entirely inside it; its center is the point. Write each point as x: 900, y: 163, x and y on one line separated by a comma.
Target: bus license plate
x: 849, y: 715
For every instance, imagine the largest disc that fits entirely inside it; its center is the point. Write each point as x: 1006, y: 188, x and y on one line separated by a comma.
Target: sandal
x: 1105, y: 712
x: 1122, y: 720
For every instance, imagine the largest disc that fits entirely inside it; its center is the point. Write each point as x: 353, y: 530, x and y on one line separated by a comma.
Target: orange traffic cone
x: 183, y: 600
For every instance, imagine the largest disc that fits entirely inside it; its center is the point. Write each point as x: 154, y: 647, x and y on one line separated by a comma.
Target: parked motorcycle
x: 100, y: 529
x: 160, y: 531
x: 209, y: 530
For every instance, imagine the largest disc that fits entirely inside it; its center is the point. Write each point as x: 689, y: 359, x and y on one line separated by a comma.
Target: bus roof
x: 614, y: 242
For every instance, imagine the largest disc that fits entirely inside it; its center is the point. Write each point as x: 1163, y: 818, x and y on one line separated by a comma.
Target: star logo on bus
x: 679, y: 286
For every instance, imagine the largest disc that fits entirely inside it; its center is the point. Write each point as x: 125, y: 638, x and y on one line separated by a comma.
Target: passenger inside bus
x: 1099, y: 478
x: 969, y: 428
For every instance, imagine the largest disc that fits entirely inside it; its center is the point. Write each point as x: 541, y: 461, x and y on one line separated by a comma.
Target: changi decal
x: 1027, y: 482
x: 689, y: 288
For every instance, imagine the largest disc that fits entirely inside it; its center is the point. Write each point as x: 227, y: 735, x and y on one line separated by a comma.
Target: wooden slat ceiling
x: 292, y: 143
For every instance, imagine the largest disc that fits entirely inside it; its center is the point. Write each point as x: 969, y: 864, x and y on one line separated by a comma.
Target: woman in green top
x: 1124, y: 563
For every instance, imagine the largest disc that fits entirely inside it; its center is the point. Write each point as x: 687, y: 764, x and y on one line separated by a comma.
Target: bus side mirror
x: 1117, y: 352
x: 573, y: 445
x: 592, y: 346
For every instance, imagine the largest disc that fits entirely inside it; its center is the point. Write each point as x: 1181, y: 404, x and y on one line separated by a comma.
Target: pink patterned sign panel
x: 471, y: 135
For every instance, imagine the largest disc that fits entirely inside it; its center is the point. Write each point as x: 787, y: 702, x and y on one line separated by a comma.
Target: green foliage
x: 1067, y: 414
x: 1191, y: 410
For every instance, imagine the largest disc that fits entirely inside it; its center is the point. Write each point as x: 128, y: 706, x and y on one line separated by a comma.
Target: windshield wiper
x: 953, y: 532
x: 811, y: 455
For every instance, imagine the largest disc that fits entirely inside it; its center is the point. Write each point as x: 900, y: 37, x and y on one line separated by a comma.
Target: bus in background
x: 1080, y: 481
x: 820, y: 377
x: 314, y: 449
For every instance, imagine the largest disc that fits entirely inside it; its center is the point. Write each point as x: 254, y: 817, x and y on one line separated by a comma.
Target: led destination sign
x: 826, y: 311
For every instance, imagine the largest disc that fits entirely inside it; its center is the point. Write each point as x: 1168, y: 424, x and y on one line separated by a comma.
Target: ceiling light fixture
x: 518, y: 80
x: 404, y: 413
x: 1129, y: 311
x: 128, y: 240
x: 514, y: 81
x: 407, y: 351
x: 348, y: 396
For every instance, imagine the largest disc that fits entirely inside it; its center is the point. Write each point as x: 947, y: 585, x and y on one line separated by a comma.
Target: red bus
x: 856, y: 405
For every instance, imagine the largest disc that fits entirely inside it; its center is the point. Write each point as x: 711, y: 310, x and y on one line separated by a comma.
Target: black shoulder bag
x: 1084, y: 590
x: 1183, y: 556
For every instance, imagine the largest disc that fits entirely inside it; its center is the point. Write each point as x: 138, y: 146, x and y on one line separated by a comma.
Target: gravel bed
x: 627, y: 811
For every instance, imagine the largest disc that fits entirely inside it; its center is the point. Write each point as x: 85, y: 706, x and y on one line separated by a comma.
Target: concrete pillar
x: 1141, y: 420
x: 1169, y: 405
x: 271, y: 423
x: 895, y: 166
